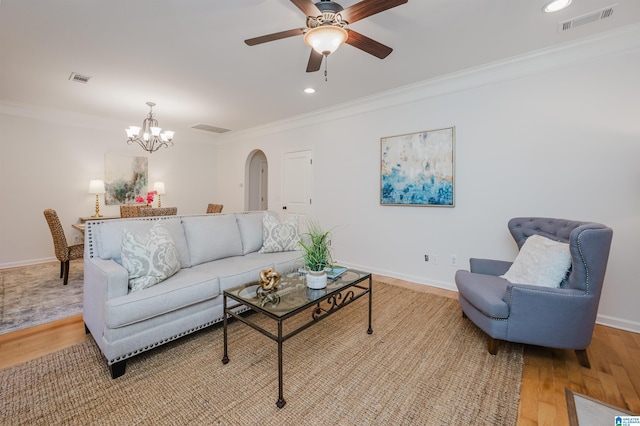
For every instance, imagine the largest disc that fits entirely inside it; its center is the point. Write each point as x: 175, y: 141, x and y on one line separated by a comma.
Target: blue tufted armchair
x: 562, y: 317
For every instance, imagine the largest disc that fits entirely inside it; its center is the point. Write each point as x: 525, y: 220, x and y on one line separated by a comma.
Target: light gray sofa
x: 216, y: 252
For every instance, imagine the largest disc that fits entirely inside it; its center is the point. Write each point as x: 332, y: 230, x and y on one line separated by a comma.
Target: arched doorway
x: 256, y: 176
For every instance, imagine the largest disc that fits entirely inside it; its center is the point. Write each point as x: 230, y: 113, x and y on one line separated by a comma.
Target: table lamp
x: 159, y: 188
x: 96, y: 187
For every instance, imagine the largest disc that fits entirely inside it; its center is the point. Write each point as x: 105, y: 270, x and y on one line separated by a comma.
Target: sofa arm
x: 553, y: 317
x: 489, y: 266
x: 105, y: 278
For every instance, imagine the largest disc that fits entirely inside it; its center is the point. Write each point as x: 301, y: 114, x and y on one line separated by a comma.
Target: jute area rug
x: 423, y: 365
x: 33, y: 295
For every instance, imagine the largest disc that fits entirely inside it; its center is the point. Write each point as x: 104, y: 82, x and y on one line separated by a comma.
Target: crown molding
x: 18, y: 109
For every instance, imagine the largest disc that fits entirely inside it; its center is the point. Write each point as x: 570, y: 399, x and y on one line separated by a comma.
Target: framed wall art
x: 417, y: 169
x: 125, y: 177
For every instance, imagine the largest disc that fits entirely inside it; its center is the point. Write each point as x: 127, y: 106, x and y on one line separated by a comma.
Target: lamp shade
x: 159, y: 188
x: 325, y: 39
x: 96, y: 187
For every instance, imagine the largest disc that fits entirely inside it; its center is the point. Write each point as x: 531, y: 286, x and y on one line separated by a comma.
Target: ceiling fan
x: 326, y: 28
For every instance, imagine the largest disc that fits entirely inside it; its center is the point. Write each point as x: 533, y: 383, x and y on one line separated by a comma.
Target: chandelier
x: 150, y: 136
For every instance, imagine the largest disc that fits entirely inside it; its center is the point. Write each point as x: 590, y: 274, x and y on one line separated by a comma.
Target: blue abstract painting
x: 417, y: 169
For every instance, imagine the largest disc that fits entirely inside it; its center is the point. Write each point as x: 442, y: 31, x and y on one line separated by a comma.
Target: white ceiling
x: 188, y: 56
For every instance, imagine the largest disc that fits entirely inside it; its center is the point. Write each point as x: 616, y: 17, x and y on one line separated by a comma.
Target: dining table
x: 80, y: 226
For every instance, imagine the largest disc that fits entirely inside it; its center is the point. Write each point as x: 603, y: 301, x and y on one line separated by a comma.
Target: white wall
x: 555, y: 133
x: 48, y: 157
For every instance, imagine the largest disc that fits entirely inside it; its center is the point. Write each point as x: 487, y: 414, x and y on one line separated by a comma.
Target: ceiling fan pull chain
x: 326, y: 61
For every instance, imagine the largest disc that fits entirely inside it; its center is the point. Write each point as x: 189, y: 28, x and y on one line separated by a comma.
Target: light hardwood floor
x: 614, y: 376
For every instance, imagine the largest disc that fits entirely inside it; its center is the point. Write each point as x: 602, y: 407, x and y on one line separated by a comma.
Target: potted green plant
x: 317, y: 255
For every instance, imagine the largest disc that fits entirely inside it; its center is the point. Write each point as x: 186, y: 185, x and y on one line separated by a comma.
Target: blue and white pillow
x: 278, y: 236
x: 150, y: 258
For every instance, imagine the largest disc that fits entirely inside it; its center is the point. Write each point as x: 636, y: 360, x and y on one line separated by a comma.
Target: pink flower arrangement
x: 149, y: 198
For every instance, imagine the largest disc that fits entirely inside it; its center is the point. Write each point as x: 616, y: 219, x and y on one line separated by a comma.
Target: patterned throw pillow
x: 278, y: 236
x: 149, y: 258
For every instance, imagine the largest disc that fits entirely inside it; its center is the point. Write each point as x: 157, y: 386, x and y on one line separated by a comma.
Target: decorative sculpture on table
x: 268, y: 285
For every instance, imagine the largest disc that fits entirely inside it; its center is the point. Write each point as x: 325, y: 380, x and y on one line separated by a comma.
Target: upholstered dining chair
x: 64, y: 252
x: 160, y: 211
x: 550, y: 302
x: 214, y: 208
x: 132, y: 210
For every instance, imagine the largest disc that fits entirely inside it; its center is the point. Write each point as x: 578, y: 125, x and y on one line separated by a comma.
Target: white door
x: 297, y: 184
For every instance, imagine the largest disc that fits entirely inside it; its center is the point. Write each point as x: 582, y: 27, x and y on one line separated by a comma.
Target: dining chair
x: 131, y: 210
x: 64, y: 252
x: 214, y: 208
x: 160, y: 211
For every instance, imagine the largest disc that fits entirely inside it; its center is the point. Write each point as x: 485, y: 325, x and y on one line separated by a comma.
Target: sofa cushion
x: 485, y: 292
x: 150, y: 258
x: 541, y: 262
x: 250, y: 226
x: 212, y: 237
x: 185, y: 288
x: 237, y: 270
x: 278, y: 236
x: 109, y: 240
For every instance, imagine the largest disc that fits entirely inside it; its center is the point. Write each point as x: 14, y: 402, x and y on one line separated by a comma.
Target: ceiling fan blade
x: 274, y: 36
x: 315, y: 61
x: 307, y: 7
x: 367, y: 8
x: 368, y: 45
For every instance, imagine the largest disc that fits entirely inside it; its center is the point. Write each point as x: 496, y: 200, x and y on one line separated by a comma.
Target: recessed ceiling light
x: 309, y: 90
x: 556, y: 5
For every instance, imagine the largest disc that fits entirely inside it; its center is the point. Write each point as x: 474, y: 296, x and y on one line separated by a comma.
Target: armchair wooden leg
x: 61, y: 269
x: 583, y: 359
x: 492, y: 345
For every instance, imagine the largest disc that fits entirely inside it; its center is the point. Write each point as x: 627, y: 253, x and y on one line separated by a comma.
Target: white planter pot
x: 316, y: 280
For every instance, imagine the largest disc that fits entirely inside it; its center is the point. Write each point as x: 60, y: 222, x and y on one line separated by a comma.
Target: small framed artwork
x: 417, y: 169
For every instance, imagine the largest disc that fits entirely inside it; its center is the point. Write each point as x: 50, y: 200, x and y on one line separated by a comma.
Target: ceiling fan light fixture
x: 325, y: 39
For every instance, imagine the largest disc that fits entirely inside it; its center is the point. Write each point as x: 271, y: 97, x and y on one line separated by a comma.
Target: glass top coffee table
x: 292, y: 298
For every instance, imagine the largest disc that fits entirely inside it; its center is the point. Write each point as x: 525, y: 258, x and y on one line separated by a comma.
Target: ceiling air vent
x: 209, y: 128
x: 587, y: 18
x: 79, y: 78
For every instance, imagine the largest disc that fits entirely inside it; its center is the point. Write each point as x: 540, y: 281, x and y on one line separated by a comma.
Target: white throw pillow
x: 278, y: 236
x: 149, y: 258
x: 541, y: 261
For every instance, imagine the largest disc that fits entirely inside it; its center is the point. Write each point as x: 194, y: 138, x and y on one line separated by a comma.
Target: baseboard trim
x: 27, y: 262
x: 618, y: 323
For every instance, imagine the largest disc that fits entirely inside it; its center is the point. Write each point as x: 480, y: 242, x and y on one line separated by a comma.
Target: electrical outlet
x: 453, y: 260
x: 435, y: 259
